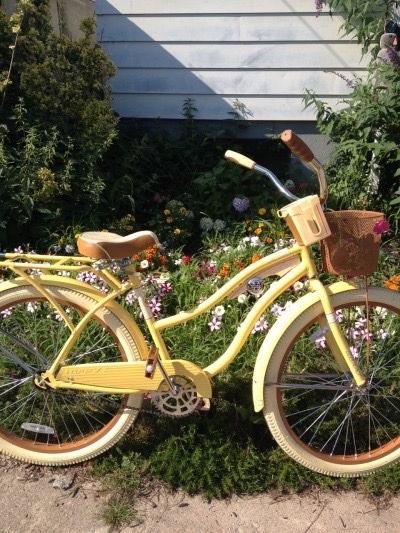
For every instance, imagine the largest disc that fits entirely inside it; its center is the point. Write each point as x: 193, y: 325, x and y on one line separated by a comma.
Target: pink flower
x: 165, y: 288
x: 215, y: 323
x: 155, y: 306
x: 261, y: 325
x: 382, y: 226
x: 321, y: 342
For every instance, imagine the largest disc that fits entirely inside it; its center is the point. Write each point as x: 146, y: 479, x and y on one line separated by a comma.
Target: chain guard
x: 183, y: 403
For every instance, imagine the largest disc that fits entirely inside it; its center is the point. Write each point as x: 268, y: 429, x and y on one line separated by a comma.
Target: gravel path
x: 33, y: 500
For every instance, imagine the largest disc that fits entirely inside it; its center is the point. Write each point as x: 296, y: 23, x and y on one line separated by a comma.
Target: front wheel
x: 58, y: 427
x: 311, y: 406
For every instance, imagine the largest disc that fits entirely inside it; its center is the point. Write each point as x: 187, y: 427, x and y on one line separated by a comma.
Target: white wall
x: 263, y: 52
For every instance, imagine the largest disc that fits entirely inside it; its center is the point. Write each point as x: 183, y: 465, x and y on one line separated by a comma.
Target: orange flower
x: 268, y: 240
x: 163, y: 259
x: 239, y: 264
x: 258, y: 231
x: 256, y: 257
x: 225, y: 270
x: 393, y: 283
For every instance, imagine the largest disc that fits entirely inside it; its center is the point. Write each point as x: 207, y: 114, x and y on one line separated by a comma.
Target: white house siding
x: 263, y: 53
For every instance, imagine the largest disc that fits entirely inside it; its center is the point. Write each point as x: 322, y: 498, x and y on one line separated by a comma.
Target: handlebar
x: 299, y: 148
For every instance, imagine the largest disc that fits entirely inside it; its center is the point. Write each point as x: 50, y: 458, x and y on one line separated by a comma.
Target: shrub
x: 56, y: 123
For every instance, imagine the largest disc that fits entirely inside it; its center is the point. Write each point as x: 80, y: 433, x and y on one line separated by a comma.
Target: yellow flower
x: 170, y: 220
x: 258, y: 231
x: 262, y: 211
x: 167, y: 212
x: 177, y: 231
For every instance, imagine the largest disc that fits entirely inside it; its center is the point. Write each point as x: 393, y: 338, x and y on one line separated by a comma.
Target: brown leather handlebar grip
x: 297, y: 146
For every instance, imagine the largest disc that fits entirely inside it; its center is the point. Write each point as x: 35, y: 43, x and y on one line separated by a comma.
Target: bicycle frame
x: 291, y: 264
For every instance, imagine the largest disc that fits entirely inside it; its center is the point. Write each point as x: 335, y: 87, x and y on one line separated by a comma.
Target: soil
x: 36, y: 499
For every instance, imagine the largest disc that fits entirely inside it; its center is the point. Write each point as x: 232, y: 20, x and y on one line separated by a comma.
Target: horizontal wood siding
x: 262, y: 53
x: 207, y: 7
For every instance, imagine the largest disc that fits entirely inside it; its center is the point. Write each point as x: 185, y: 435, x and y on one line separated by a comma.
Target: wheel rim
x: 321, y: 411
x: 48, y: 421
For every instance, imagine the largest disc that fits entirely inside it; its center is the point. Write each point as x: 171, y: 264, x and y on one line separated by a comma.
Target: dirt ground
x: 34, y: 500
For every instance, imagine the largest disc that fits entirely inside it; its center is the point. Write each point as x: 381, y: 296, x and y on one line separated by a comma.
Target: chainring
x: 183, y: 403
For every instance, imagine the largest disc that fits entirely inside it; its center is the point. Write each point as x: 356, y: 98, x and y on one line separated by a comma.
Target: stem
x: 9, y: 71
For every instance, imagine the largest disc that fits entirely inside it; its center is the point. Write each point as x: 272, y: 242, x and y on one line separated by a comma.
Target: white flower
x: 144, y: 264
x: 381, y: 311
x: 178, y: 261
x: 298, y: 286
x: 242, y: 298
x: 219, y: 225
x: 219, y: 311
x: 206, y: 223
x: 255, y: 241
x: 162, y: 278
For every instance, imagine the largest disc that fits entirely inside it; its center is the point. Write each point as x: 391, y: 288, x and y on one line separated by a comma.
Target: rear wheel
x: 312, y: 408
x: 46, y: 426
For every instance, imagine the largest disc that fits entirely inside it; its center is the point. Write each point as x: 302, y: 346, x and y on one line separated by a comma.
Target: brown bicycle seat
x: 106, y: 245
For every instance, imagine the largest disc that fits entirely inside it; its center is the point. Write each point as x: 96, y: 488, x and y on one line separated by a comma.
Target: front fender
x: 85, y: 288
x: 275, y: 333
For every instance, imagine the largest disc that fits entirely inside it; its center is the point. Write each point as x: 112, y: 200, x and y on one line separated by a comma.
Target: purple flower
x: 130, y: 298
x: 321, y: 342
x: 87, y: 277
x: 382, y: 226
x: 69, y: 249
x: 165, y: 288
x: 393, y: 57
x: 155, y: 306
x: 354, y: 352
x: 240, y: 204
x: 215, y: 323
x: 6, y: 312
x: 318, y: 6
x: 261, y: 325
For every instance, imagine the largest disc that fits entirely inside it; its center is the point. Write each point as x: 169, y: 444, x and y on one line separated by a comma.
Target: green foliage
x: 122, y: 476
x: 56, y: 123
x: 367, y: 136
x: 363, y: 18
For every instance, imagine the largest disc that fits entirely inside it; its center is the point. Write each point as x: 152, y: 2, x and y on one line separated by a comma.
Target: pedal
x: 205, y: 406
x: 151, y: 362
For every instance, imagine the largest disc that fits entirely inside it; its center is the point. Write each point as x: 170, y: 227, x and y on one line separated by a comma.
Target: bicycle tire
x: 309, y: 407
x: 59, y: 427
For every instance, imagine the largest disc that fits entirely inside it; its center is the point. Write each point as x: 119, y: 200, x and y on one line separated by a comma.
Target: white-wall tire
x: 286, y: 433
x: 126, y: 407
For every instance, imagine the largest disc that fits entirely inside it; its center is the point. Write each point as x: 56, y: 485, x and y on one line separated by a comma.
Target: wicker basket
x: 352, y: 248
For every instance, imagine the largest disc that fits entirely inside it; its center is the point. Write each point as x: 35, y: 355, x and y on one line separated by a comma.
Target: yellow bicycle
x: 74, y: 365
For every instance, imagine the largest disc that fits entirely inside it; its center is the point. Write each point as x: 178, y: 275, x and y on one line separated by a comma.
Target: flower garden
x: 67, y: 165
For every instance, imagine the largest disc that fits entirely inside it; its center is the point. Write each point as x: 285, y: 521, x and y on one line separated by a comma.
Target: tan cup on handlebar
x: 306, y: 220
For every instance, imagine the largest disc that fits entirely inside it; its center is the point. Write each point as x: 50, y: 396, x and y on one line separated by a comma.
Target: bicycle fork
x: 335, y: 338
